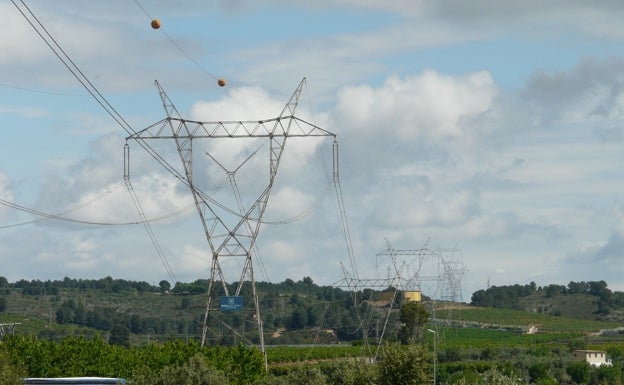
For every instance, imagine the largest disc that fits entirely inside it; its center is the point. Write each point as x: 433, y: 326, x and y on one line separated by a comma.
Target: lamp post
x: 435, y: 337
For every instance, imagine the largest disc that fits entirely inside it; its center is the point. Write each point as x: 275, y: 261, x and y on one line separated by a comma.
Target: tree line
x: 297, y: 309
x: 508, y: 297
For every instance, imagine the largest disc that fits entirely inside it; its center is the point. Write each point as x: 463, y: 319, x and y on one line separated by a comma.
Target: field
x: 492, y: 318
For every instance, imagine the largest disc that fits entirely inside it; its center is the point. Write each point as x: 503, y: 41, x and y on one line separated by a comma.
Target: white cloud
x: 430, y: 106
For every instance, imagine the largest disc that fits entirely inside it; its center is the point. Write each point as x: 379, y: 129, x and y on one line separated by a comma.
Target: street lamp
x: 435, y: 337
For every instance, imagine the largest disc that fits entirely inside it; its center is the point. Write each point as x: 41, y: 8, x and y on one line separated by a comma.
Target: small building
x: 592, y: 357
x: 532, y: 329
x: 412, y: 296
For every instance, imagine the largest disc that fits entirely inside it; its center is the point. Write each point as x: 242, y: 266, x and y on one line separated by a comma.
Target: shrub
x: 195, y: 372
x: 405, y: 365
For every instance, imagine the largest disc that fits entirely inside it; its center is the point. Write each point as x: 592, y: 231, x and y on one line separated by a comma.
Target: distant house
x: 592, y: 357
x: 532, y: 329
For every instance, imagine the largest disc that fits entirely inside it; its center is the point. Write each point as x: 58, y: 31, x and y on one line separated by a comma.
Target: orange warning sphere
x: 221, y: 82
x: 155, y: 23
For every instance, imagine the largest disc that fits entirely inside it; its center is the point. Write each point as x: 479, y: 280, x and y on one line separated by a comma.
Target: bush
x: 9, y: 373
x: 195, y: 372
x: 350, y: 372
x: 405, y: 365
x: 579, y: 372
x: 303, y: 375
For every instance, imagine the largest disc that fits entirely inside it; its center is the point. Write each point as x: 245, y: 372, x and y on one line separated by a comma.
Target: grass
x: 508, y: 319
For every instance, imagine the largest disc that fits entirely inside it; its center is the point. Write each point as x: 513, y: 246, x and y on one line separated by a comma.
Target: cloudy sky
x: 490, y: 132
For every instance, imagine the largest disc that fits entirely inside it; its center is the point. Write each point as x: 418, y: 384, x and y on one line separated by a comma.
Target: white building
x: 592, y: 357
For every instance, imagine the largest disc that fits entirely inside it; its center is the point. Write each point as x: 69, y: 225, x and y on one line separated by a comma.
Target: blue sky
x: 490, y: 128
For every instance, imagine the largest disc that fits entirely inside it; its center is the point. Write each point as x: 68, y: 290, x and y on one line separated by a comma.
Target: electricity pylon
x: 231, y: 233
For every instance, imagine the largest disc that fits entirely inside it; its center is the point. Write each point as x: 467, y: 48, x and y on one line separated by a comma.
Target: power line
x: 175, y: 44
x: 62, y: 216
x: 73, y: 68
x: 58, y: 51
x: 35, y: 91
x: 150, y: 232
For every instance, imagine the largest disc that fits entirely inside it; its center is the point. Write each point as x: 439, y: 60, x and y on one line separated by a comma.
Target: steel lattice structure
x: 405, y: 274
x: 235, y: 236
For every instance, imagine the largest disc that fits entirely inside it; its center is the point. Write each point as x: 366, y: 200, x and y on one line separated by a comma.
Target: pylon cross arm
x: 290, y: 126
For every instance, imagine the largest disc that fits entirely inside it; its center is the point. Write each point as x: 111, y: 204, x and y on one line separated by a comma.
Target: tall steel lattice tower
x: 231, y: 230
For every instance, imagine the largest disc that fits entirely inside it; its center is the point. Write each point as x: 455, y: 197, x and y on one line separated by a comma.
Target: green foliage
x: 608, y: 375
x: 335, y: 372
x: 475, y: 345
x: 518, y: 320
x: 579, y: 372
x: 405, y: 365
x: 502, y: 296
x: 291, y: 354
x: 350, y: 372
x: 10, y: 374
x: 305, y: 375
x: 164, y: 286
x: 186, y: 363
x: 582, y: 299
x: 414, y: 316
x: 70, y: 357
x: 194, y: 372
x: 120, y: 335
x: 538, y: 372
x: 94, y: 307
x: 243, y: 365
x: 491, y: 377
x: 75, y: 357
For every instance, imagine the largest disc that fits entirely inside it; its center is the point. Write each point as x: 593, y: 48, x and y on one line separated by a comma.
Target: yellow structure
x: 412, y: 296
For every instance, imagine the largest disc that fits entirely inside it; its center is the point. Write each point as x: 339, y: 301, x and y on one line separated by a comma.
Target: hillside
x: 581, y: 306
x: 293, y: 312
x: 591, y: 300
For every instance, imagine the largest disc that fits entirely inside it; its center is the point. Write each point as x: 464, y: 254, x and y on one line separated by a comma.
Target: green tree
x: 351, y: 372
x: 64, y: 314
x: 608, y: 375
x: 537, y: 371
x: 305, y: 375
x: 195, y: 372
x: 164, y: 285
x: 405, y: 365
x: 413, y: 316
x: 9, y: 373
x: 3, y: 304
x: 298, y: 318
x: 579, y: 372
x: 120, y: 335
x: 495, y: 376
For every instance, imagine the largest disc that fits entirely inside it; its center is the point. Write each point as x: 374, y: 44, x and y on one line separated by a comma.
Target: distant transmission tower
x: 453, y: 270
x: 408, y: 276
x: 393, y: 285
x: 442, y: 271
x: 231, y: 229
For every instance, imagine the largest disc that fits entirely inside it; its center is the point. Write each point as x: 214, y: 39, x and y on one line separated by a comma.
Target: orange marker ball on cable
x: 155, y: 23
x: 221, y: 82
